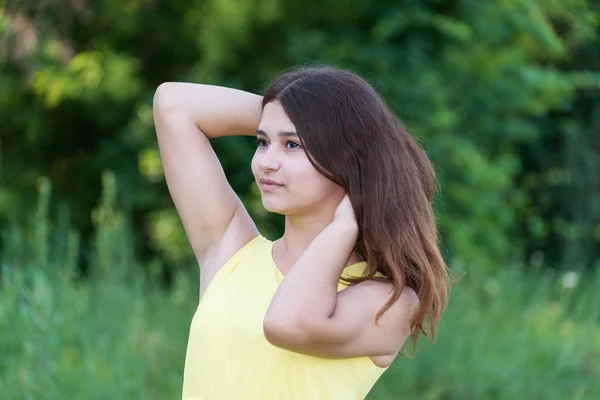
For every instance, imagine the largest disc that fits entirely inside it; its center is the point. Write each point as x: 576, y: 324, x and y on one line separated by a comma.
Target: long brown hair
x: 352, y: 138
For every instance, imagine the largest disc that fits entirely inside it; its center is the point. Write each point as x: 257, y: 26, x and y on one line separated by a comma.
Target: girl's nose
x: 269, y: 162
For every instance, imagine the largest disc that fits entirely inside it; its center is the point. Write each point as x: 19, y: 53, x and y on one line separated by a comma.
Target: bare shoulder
x: 376, y: 294
x: 367, y: 299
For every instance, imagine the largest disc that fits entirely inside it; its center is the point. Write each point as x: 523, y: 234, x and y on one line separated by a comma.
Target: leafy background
x: 98, y: 282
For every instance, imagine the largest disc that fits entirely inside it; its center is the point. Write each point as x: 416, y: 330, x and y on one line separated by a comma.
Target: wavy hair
x: 352, y: 138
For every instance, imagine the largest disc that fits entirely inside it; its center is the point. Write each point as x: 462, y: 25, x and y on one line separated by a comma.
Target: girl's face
x: 281, y: 158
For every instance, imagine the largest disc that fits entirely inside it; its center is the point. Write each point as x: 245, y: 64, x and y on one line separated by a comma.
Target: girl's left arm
x: 308, y: 294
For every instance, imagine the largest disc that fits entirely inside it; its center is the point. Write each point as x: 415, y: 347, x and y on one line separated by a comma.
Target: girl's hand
x: 345, y: 213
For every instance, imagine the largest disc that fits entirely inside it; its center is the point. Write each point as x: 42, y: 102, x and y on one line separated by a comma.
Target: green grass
x: 119, y: 335
x: 511, y: 336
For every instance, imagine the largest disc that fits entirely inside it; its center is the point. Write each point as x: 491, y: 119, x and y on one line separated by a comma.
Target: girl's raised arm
x: 186, y: 115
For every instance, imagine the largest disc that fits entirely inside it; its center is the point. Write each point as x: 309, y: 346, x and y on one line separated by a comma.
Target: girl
x: 323, y: 311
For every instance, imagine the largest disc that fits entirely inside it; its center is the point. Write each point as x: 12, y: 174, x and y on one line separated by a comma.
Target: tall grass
x: 116, y: 334
x: 514, y: 335
x: 113, y: 335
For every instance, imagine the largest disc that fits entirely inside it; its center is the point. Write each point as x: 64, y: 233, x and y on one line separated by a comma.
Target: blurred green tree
x: 503, y: 95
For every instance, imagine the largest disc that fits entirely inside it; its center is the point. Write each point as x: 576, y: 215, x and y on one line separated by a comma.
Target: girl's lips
x: 269, y: 187
x: 270, y: 181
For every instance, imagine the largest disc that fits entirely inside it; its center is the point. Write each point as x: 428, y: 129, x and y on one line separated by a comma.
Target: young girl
x: 323, y: 311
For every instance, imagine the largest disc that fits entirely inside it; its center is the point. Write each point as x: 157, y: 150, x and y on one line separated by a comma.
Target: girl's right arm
x: 186, y: 115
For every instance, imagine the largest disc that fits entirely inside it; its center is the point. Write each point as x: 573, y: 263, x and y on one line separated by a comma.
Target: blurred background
x: 98, y: 283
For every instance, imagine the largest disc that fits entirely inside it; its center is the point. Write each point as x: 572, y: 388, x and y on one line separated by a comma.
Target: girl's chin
x: 274, y: 206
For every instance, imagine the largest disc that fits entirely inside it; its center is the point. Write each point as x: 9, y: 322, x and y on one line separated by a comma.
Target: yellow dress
x: 229, y: 358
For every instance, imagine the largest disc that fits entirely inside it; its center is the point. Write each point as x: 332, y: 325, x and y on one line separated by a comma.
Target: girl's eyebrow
x: 280, y: 133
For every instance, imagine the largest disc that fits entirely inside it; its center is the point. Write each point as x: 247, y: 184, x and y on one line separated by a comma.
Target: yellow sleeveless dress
x: 229, y: 358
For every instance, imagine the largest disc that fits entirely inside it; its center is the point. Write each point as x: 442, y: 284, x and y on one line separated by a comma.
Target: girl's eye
x: 263, y: 143
x: 294, y: 143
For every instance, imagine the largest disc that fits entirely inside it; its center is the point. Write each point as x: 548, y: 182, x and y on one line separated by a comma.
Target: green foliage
x: 504, y: 96
x: 120, y: 335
